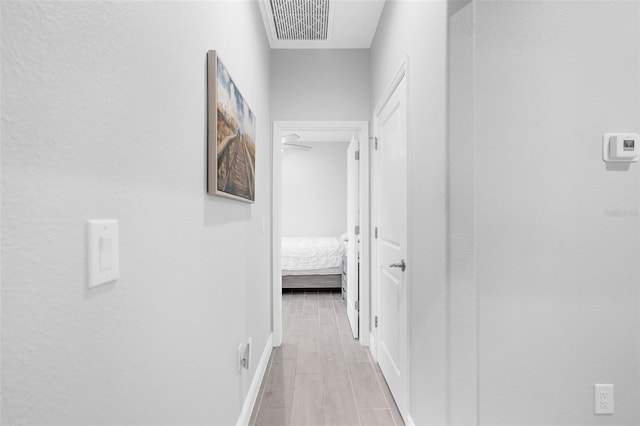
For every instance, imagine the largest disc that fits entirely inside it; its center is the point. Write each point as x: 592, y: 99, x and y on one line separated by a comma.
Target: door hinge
x: 357, y: 230
x: 375, y: 142
x: 375, y: 321
x: 357, y: 155
x: 376, y: 232
x: 357, y: 305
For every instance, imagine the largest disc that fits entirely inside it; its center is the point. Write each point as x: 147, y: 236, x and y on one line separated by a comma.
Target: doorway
x: 326, y: 131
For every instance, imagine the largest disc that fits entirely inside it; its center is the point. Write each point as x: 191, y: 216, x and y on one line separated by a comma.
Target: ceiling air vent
x: 301, y: 19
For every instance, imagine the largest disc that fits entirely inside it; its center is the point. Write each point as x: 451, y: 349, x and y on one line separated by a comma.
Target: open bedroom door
x: 353, y: 232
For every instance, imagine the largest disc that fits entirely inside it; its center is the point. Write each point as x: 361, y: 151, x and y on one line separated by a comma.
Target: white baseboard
x: 372, y: 346
x: 410, y: 421
x: 252, y: 395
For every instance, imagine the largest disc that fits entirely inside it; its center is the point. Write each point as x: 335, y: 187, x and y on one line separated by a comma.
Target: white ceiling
x: 352, y: 25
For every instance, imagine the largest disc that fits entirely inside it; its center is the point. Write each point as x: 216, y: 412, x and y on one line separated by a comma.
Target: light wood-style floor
x: 321, y: 375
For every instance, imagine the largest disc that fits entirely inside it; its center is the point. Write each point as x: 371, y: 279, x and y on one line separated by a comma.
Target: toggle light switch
x: 102, y: 252
x: 106, y: 254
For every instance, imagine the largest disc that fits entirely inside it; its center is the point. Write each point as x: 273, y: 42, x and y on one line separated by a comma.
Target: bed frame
x: 312, y: 281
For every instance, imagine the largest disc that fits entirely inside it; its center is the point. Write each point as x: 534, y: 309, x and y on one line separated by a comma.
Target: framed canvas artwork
x: 231, y: 136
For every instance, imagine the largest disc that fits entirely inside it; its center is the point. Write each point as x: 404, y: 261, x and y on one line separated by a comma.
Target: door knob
x: 402, y: 265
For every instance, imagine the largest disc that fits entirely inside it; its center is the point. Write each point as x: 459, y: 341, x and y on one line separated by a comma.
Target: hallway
x: 522, y: 260
x: 321, y: 375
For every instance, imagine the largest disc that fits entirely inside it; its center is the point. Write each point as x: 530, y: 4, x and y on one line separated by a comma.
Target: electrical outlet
x: 247, y: 354
x: 603, y: 398
x: 244, y: 354
x: 240, y: 356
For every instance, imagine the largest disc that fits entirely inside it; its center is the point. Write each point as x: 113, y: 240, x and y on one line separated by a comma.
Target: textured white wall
x: 558, y: 279
x: 419, y: 29
x: 462, y: 309
x: 314, y: 191
x: 320, y: 85
x: 104, y: 116
x: 536, y: 268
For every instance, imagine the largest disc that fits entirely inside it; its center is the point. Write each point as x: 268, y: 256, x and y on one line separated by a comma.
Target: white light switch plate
x: 103, y: 255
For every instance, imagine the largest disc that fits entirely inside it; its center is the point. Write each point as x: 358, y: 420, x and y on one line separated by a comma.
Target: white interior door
x: 353, y: 244
x: 391, y: 214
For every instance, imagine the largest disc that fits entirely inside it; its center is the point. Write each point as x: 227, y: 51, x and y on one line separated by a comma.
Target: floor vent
x: 301, y: 19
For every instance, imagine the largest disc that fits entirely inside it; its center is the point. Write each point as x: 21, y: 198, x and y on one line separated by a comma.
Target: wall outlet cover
x: 603, y: 398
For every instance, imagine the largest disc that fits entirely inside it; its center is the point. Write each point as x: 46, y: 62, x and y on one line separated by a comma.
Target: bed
x: 312, y: 262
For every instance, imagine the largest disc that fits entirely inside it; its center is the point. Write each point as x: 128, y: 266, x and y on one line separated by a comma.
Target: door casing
x: 353, y: 246
x: 361, y: 129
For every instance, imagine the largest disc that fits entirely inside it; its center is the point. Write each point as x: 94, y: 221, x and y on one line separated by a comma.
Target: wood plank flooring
x: 321, y: 376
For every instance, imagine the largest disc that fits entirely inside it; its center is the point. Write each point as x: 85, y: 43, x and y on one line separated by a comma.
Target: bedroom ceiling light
x: 296, y: 146
x: 287, y: 143
x: 290, y: 138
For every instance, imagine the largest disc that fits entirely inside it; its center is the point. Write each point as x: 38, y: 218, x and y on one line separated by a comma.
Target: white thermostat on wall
x: 621, y: 147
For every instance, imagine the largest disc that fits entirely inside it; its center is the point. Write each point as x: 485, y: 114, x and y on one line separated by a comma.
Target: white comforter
x: 302, y: 254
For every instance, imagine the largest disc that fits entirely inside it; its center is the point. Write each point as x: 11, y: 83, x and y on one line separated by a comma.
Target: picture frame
x: 231, y: 133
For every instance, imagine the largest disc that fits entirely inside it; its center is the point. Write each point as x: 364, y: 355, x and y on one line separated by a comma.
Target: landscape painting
x: 231, y: 136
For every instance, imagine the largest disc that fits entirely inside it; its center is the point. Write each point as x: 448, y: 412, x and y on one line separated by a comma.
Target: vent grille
x: 301, y: 19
